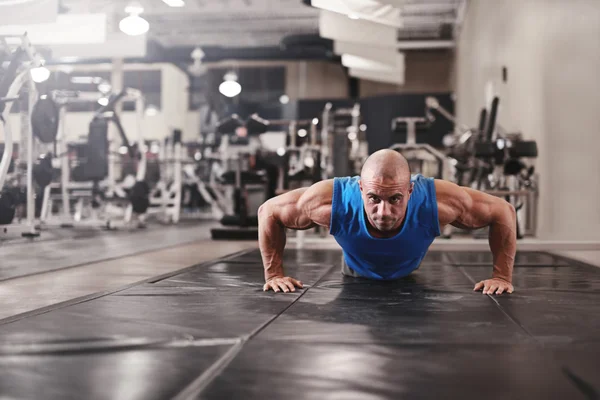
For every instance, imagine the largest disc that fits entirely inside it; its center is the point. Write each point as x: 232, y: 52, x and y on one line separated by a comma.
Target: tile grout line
x: 194, y: 389
x: 513, y: 319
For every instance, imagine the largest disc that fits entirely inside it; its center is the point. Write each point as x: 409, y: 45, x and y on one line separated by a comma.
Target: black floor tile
x: 425, y: 336
x: 169, y: 313
x: 485, y: 258
x: 233, y: 274
x: 134, y: 374
x: 576, y: 278
x: 277, y: 370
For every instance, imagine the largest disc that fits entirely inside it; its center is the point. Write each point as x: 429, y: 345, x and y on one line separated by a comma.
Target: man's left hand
x: 494, y: 285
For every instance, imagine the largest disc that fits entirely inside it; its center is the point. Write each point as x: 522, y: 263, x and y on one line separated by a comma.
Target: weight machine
x: 92, y: 183
x: 422, y: 157
x: 344, y: 147
x: 16, y: 77
x: 165, y: 196
x: 301, y: 155
x: 237, y: 176
x: 490, y: 159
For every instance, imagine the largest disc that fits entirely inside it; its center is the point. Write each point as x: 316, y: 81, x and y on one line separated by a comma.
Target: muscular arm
x: 471, y: 209
x: 299, y: 209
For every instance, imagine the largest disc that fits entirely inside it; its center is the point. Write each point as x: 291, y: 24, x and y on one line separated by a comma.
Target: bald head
x: 386, y: 165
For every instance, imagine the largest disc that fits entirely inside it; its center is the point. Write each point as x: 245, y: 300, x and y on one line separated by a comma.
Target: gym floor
x: 185, y: 317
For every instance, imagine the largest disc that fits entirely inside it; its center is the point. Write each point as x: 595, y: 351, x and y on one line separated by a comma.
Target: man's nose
x: 383, y: 208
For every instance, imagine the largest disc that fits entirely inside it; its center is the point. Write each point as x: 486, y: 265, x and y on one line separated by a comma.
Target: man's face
x: 385, y: 202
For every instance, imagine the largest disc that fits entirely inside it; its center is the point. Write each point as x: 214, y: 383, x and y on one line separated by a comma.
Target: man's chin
x: 385, y: 227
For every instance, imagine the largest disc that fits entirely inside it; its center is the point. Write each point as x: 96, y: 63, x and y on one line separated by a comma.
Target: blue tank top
x: 388, y: 258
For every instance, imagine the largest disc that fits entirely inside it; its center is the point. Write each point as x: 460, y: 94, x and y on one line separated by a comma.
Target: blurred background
x: 288, y: 59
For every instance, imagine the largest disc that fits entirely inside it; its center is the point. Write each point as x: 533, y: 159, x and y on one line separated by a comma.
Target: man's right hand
x: 284, y: 283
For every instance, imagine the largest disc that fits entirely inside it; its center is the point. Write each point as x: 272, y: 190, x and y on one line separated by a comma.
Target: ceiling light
x: 103, y: 101
x: 151, y: 111
x: 302, y: 132
x: 174, y: 3
x: 134, y: 25
x: 40, y: 74
x: 230, y: 86
x: 104, y: 87
x: 197, y: 68
x: 284, y: 99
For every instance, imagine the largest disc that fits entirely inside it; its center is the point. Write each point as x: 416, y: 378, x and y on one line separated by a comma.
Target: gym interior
x: 139, y: 140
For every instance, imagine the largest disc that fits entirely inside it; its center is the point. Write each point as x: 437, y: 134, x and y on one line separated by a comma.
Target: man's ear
x: 412, y: 186
x: 360, y: 185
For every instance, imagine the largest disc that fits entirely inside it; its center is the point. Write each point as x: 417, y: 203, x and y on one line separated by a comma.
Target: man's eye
x: 394, y: 200
x: 374, y: 199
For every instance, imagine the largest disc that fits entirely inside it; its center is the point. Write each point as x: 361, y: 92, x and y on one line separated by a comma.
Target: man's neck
x: 376, y: 233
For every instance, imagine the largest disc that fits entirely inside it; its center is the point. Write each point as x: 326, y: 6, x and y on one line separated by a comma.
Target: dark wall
x: 379, y: 111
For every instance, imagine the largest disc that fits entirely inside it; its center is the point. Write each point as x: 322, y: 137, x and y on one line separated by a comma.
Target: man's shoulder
x: 347, y: 179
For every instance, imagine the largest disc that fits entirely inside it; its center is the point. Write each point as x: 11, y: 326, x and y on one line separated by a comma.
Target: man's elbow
x: 511, y: 210
x: 265, y: 210
x: 506, y: 212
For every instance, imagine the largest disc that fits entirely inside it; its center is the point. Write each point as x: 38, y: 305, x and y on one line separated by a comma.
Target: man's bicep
x: 316, y: 202
x: 285, y: 210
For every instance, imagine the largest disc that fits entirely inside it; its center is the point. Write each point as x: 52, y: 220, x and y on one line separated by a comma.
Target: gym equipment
x: 256, y: 125
x: 344, y: 146
x: 201, y: 186
x: 8, y: 206
x: 92, y: 182
x: 139, y: 196
x: 43, y: 171
x: 423, y: 158
x: 460, y: 144
x: 16, y: 77
x: 491, y: 160
x: 302, y: 156
x: 95, y: 167
x: 165, y: 197
x: 242, y: 225
x: 73, y: 179
x: 44, y: 119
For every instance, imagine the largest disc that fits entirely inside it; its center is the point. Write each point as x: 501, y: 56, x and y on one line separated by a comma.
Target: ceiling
x: 260, y: 23
x: 227, y: 23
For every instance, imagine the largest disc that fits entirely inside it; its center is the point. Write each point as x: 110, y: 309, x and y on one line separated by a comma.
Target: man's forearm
x: 503, y: 242
x: 271, y: 240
